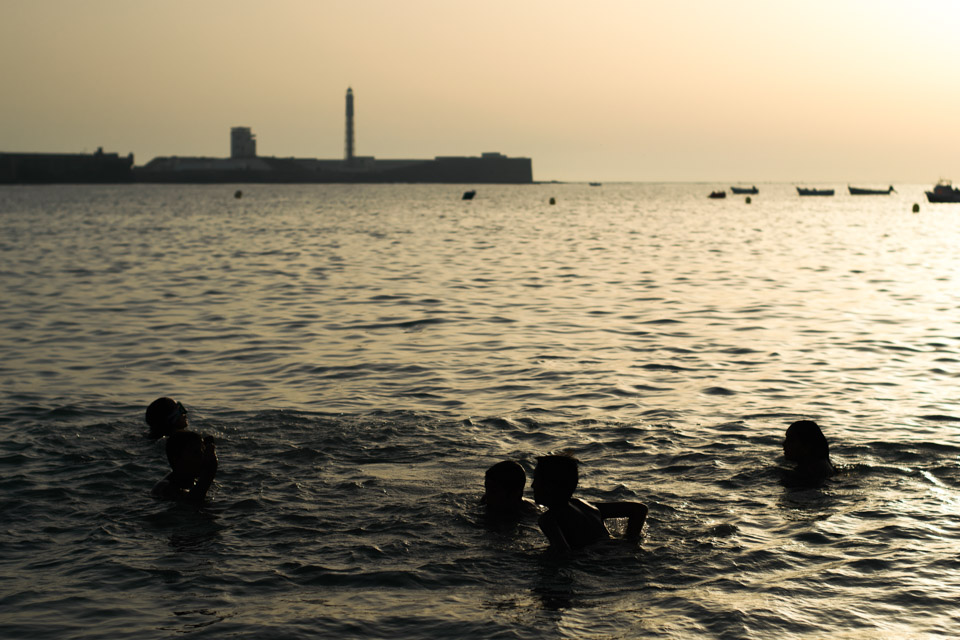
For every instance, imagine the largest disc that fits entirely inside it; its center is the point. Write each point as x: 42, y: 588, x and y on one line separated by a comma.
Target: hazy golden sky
x: 732, y: 90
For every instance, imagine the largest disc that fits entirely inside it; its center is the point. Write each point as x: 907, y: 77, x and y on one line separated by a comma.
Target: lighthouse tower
x: 348, y: 145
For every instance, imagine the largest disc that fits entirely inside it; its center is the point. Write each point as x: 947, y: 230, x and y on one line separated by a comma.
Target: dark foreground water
x: 363, y: 353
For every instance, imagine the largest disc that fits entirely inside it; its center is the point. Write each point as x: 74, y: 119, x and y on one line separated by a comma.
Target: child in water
x: 571, y: 523
x: 503, y: 491
x: 165, y: 416
x: 193, y: 460
x: 806, y: 446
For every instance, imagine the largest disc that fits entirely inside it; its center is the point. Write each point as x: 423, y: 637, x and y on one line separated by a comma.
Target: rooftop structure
x: 243, y: 144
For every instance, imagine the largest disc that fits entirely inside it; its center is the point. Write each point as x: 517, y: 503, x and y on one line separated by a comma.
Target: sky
x: 612, y: 90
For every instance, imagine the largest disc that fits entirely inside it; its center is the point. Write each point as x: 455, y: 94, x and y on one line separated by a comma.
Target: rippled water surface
x: 363, y: 353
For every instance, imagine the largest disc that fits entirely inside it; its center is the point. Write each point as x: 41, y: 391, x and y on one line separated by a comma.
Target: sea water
x: 363, y: 353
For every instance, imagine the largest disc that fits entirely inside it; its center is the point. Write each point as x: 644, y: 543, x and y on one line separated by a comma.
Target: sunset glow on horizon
x: 752, y: 91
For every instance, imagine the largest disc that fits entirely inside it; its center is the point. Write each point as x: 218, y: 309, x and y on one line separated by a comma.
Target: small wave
x: 722, y: 530
x: 771, y: 416
x: 719, y: 391
x: 406, y: 324
x: 663, y: 367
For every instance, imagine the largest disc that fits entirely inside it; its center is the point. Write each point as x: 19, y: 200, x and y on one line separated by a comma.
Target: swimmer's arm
x: 636, y: 512
x: 210, y: 463
x: 163, y: 489
x: 551, y: 528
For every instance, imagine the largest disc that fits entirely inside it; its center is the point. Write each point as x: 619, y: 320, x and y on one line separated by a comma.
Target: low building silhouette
x: 489, y: 168
x: 48, y: 168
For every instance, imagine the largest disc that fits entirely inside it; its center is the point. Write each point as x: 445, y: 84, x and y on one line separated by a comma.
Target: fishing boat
x: 857, y: 191
x: 716, y: 195
x: 747, y: 190
x: 804, y: 191
x: 944, y: 191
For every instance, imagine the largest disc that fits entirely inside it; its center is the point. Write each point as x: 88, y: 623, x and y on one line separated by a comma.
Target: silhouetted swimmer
x: 193, y: 459
x: 503, y: 486
x: 165, y: 416
x: 806, y: 446
x: 571, y: 523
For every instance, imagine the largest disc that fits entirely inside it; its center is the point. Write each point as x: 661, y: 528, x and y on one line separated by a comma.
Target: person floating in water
x: 193, y: 460
x: 571, y: 523
x: 165, y: 416
x: 806, y: 446
x: 503, y: 486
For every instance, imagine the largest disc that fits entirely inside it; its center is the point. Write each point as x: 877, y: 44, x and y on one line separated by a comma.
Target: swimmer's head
x: 503, y: 484
x: 805, y: 442
x: 555, y: 479
x: 165, y: 416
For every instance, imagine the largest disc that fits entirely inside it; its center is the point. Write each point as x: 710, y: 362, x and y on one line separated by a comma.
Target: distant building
x: 243, y: 144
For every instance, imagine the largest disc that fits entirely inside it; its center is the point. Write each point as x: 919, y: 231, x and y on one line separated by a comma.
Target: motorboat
x: 810, y: 191
x: 857, y: 191
x: 944, y: 191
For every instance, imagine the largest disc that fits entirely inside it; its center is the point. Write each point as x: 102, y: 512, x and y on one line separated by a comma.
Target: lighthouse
x: 348, y: 144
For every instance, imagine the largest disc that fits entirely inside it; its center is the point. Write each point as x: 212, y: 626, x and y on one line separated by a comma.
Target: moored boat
x: 806, y: 191
x: 857, y: 191
x: 747, y: 190
x: 944, y: 191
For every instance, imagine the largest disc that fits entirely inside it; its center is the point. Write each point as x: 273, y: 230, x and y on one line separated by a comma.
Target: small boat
x: 857, y: 191
x: 468, y: 195
x: 803, y: 191
x: 595, y: 184
x: 718, y: 194
x: 943, y: 192
x: 748, y: 190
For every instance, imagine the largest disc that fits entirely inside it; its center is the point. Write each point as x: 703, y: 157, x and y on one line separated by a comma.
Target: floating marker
x: 468, y: 195
x: 749, y: 200
x: 238, y: 194
x: 916, y: 208
x: 553, y: 201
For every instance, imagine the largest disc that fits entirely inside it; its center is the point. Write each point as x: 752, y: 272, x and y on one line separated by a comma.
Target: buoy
x: 238, y: 194
x: 749, y: 200
x: 916, y: 208
x: 553, y: 201
x: 468, y: 195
